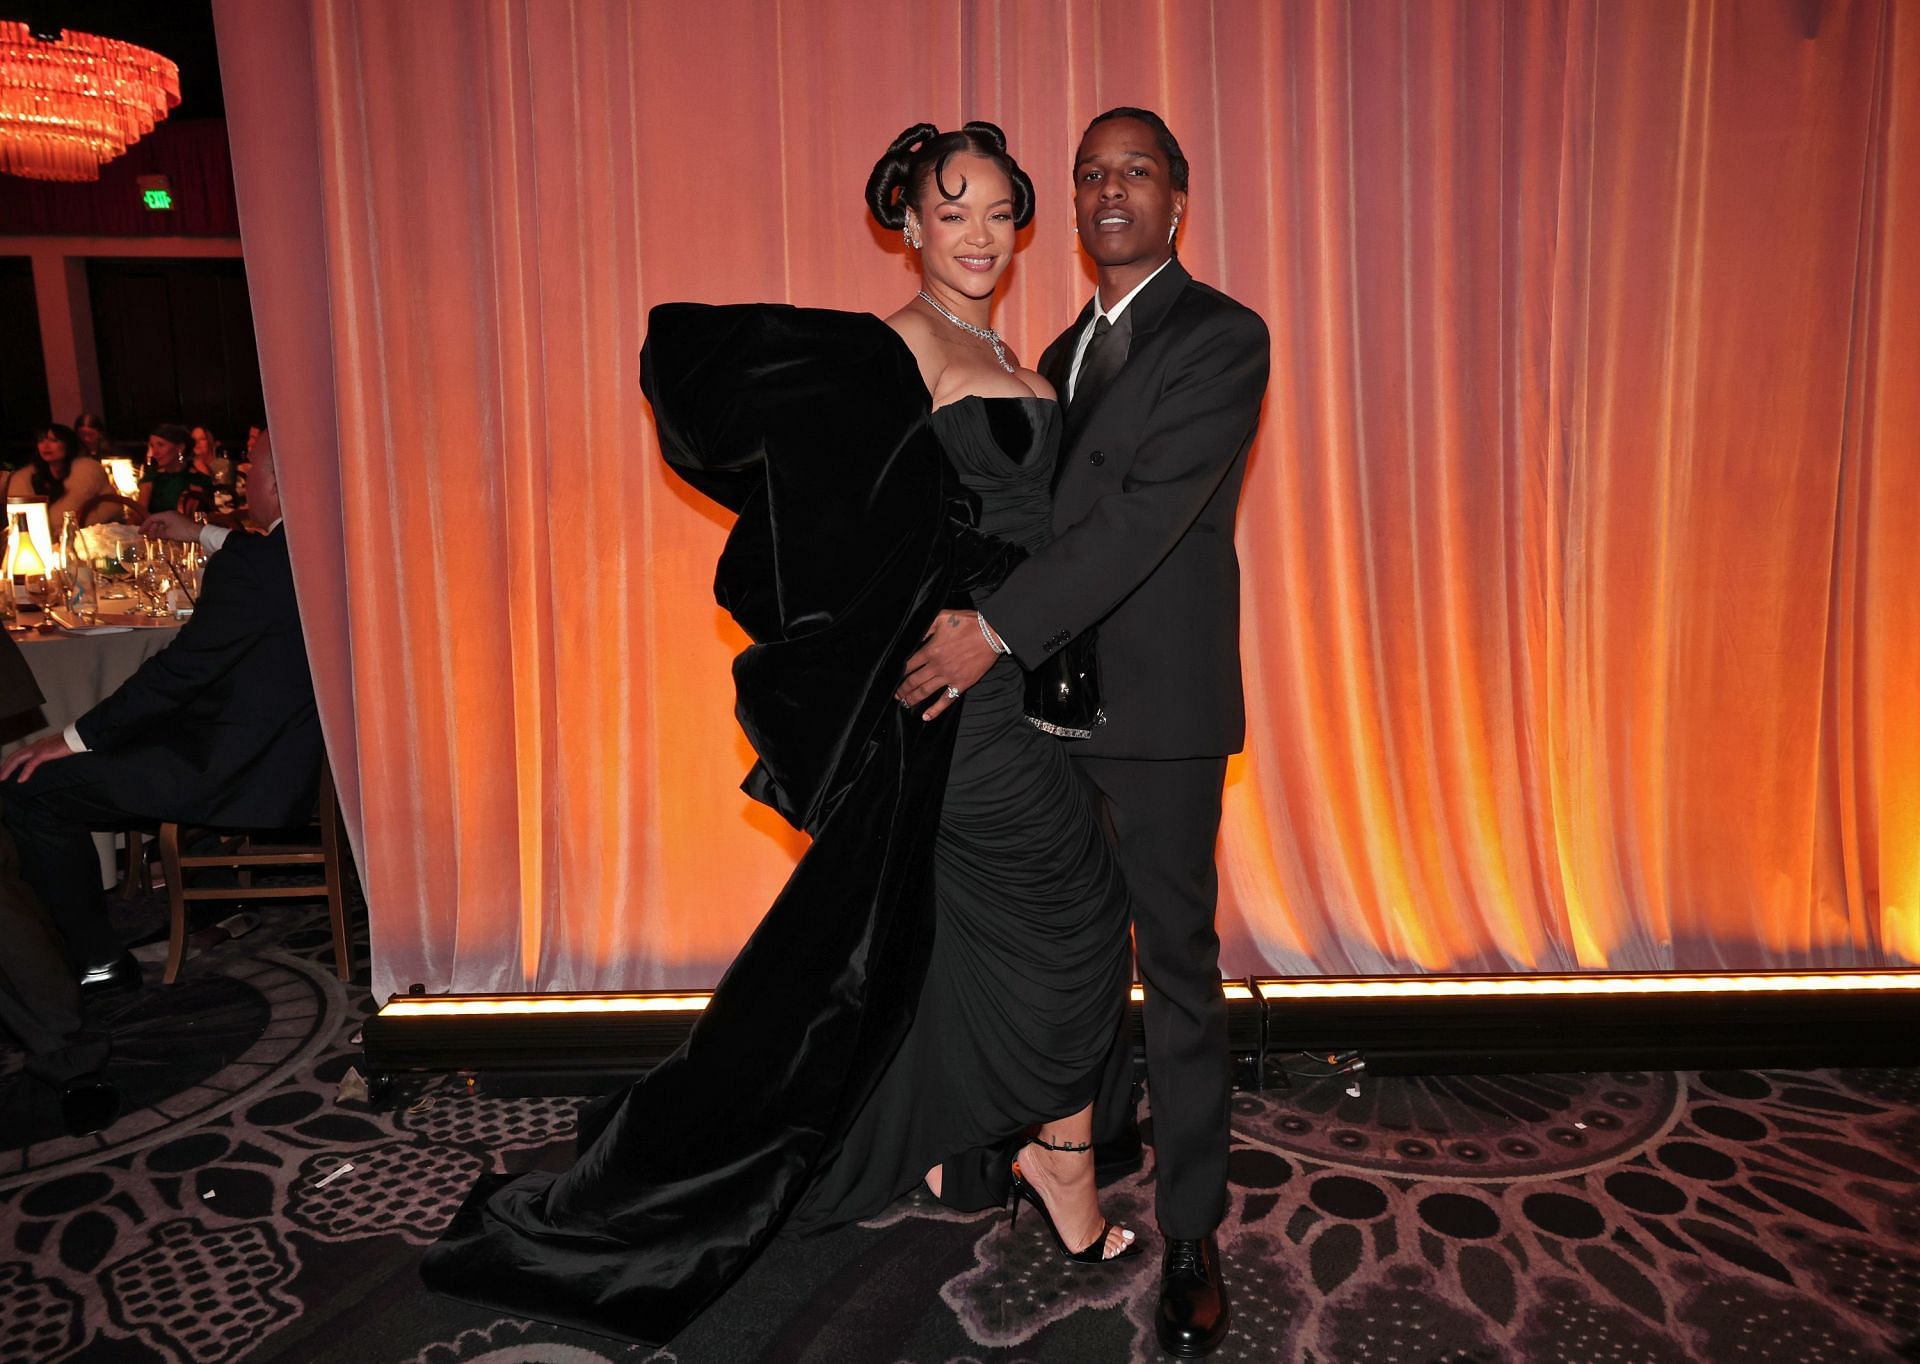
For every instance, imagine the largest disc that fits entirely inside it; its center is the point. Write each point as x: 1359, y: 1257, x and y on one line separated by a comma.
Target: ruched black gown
x: 1029, y: 964
x: 948, y: 962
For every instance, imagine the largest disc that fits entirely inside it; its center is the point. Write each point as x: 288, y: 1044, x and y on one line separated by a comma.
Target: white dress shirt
x: 1112, y: 315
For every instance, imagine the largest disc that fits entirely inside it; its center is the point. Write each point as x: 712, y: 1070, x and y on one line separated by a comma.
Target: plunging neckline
x: 921, y: 379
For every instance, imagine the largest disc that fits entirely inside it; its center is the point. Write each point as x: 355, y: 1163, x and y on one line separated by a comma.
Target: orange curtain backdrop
x: 1582, y: 626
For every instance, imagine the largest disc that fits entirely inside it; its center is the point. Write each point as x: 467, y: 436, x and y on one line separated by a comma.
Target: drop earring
x: 1174, y: 230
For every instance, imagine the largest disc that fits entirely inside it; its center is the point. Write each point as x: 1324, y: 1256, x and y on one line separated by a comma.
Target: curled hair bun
x: 920, y: 154
x: 990, y: 131
x: 887, y: 185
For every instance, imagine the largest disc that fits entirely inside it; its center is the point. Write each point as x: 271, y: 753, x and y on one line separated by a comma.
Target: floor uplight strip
x: 1268, y: 991
x: 1546, y: 987
x: 1232, y: 989
x: 444, y: 1006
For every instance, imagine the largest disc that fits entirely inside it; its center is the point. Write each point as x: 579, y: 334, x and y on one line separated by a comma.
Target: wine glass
x: 154, y: 578
x: 187, y: 570
x: 128, y: 556
x: 164, y: 555
x: 106, y: 567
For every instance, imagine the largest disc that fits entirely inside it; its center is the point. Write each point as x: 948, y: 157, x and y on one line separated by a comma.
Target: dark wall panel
x: 175, y: 341
x: 23, y: 369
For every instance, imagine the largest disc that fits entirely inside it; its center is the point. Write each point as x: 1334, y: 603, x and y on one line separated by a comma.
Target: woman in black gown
x: 933, y: 993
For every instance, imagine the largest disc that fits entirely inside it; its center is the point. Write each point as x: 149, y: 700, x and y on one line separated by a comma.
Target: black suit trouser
x: 1165, y: 817
x: 52, y: 816
x: 39, y: 988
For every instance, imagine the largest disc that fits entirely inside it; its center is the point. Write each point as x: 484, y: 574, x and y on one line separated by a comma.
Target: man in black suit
x: 218, y: 728
x: 1163, y: 379
x: 40, y: 1000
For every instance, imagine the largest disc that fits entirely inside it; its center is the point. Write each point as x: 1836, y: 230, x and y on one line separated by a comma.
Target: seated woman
x: 93, y: 437
x: 67, y: 479
x: 204, y: 450
x: 170, y: 482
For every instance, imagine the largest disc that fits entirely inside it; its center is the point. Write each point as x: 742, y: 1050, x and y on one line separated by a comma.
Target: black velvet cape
x: 852, y: 530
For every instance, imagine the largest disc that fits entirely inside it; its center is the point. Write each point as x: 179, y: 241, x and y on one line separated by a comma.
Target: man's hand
x: 954, y: 654
x: 23, y: 762
x: 171, y: 525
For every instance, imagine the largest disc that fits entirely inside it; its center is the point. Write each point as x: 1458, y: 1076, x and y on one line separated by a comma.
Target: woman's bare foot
x: 1064, y: 1181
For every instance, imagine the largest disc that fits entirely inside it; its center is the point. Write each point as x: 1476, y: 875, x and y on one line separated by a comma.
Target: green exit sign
x: 156, y: 192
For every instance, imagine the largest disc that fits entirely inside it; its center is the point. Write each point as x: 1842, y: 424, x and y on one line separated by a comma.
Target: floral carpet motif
x: 1763, y: 1216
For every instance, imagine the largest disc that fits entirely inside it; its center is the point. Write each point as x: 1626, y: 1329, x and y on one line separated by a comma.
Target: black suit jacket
x: 1143, y: 518
x: 220, y: 727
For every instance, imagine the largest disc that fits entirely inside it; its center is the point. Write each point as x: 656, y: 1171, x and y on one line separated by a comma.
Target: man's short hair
x: 1177, y: 171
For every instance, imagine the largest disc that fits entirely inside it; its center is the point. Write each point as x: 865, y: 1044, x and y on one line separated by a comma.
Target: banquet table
x: 76, y: 672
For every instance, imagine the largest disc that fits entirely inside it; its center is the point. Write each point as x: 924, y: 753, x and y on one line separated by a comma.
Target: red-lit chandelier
x: 70, y: 104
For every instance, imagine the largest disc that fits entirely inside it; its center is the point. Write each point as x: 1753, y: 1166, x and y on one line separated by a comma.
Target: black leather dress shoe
x: 122, y: 973
x: 88, y: 1106
x: 1192, y: 1318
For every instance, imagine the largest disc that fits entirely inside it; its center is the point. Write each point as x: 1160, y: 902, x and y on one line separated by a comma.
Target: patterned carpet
x: 1737, y: 1216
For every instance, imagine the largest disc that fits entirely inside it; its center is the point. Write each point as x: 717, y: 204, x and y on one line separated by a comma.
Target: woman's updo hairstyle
x: 920, y: 154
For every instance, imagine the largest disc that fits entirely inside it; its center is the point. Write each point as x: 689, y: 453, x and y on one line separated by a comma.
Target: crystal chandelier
x: 73, y: 103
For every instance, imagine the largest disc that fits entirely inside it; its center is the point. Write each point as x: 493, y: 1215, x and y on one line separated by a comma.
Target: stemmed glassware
x: 187, y: 564
x: 153, y: 577
x: 118, y: 565
x: 46, y: 587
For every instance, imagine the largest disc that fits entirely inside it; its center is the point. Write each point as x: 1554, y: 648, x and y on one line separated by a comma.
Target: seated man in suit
x: 39, y: 998
x: 219, y: 728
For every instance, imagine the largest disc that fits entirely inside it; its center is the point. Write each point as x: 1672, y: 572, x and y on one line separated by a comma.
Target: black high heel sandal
x: 1094, y: 1252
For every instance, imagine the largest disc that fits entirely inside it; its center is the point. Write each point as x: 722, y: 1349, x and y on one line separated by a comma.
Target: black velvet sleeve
x: 812, y: 426
x: 852, y: 528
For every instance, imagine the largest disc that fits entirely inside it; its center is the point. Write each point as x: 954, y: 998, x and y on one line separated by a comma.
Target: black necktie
x: 1106, y: 352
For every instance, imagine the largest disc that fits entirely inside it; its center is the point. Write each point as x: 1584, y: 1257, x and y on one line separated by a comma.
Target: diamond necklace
x: 987, y: 334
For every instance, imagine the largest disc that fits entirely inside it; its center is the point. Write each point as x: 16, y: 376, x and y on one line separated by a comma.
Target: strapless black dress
x: 948, y: 963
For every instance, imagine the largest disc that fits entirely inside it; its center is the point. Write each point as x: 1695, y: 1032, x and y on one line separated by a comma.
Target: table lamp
x: 38, y: 531
x: 24, y: 560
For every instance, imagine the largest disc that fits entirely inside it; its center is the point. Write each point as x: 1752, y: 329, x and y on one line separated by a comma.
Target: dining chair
x: 136, y: 880
x: 243, y: 854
